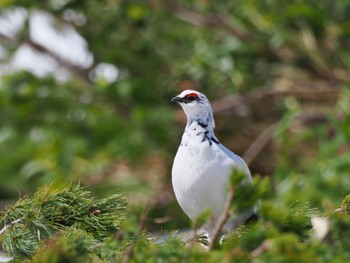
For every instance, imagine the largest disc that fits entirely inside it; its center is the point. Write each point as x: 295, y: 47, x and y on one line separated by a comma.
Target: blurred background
x: 85, y: 89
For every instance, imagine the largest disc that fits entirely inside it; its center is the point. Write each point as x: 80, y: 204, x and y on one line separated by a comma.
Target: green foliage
x: 280, y: 234
x: 50, y: 211
x: 74, y: 127
x: 295, y: 218
x: 345, y: 205
x: 340, y: 224
x: 202, y: 219
x: 72, y: 245
x: 20, y: 242
x: 279, y: 63
x: 321, y: 180
x: 246, y: 194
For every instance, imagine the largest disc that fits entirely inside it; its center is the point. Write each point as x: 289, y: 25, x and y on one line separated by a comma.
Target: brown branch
x: 262, y: 248
x: 10, y: 225
x: 221, y: 22
x: 315, y: 90
x: 81, y: 72
x: 259, y: 143
x: 141, y: 225
x: 225, y: 215
x: 128, y: 253
x: 217, y: 21
x: 142, y: 222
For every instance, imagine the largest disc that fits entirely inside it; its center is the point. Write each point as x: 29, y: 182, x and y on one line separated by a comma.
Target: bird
x: 202, y: 165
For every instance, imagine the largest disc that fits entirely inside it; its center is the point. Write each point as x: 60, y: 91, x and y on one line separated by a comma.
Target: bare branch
x: 219, y: 21
x: 225, y: 215
x: 262, y: 248
x: 259, y: 143
x: 141, y: 225
x: 216, y: 20
x: 313, y: 90
x: 222, y: 22
x: 81, y: 72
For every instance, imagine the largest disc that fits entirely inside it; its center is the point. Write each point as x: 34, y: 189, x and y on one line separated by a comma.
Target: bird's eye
x: 191, y: 97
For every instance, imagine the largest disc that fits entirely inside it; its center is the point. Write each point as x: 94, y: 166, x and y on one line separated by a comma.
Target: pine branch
x: 345, y: 206
x: 50, y: 211
x: 10, y: 225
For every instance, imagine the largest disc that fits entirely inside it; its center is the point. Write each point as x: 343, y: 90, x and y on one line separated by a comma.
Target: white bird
x: 202, y: 166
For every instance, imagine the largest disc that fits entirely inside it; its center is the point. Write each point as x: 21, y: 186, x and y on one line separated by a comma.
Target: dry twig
x: 225, y: 215
x: 262, y: 248
x: 259, y: 143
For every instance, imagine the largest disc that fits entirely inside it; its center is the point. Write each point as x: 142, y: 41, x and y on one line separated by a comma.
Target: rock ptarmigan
x: 202, y: 166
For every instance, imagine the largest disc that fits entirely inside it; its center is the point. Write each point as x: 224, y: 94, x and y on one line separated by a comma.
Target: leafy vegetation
x: 96, y: 231
x: 276, y: 72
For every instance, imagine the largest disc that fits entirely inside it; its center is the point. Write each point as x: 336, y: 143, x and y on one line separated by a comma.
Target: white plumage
x: 202, y: 166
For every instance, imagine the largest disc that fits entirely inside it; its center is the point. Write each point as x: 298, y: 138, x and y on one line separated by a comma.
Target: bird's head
x: 195, y: 105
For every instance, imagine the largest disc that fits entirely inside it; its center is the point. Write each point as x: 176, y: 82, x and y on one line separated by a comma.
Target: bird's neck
x: 201, y: 124
x: 204, y: 120
x: 200, y: 128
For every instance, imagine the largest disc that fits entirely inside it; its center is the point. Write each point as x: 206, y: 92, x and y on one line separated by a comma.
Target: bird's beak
x: 176, y: 99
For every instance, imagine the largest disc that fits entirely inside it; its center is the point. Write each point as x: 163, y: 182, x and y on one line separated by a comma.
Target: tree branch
x: 264, y: 246
x: 225, y: 215
x: 259, y: 143
x: 316, y: 91
x: 217, y: 21
x: 81, y: 72
x: 221, y: 22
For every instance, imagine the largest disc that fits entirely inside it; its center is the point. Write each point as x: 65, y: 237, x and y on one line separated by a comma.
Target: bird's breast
x: 200, y: 176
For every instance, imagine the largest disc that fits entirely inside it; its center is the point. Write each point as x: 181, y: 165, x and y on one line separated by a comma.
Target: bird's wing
x: 237, y: 160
